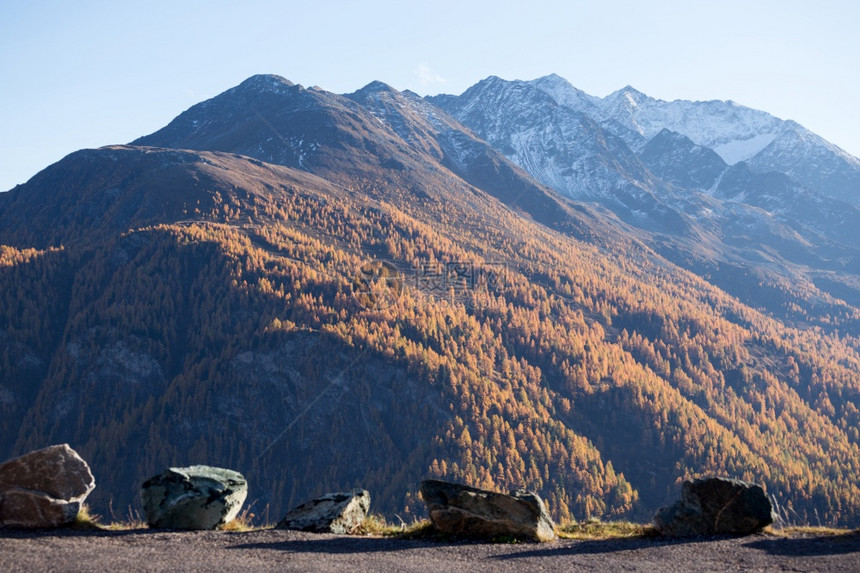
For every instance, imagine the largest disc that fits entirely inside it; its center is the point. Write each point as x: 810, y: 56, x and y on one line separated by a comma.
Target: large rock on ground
x: 44, y: 488
x: 196, y: 497
x: 716, y: 506
x: 339, y: 512
x: 471, y: 512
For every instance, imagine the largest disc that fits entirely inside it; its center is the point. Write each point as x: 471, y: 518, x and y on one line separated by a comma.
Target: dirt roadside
x: 278, y: 550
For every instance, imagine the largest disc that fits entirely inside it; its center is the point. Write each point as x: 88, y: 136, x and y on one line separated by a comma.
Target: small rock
x: 468, y: 511
x: 339, y: 512
x: 196, y: 497
x: 716, y: 506
x: 44, y: 488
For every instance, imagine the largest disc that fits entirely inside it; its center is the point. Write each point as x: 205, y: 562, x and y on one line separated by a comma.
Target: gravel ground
x: 278, y: 550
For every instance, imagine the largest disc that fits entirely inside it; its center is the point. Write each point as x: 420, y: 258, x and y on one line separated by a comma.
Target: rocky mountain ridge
x: 630, y: 154
x: 735, y: 132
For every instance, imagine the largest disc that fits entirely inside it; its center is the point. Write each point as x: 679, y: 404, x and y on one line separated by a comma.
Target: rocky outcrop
x: 44, y: 488
x: 196, y: 497
x: 339, y: 512
x: 471, y: 512
x: 716, y: 506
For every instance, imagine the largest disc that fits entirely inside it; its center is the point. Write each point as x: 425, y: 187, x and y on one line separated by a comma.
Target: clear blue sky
x: 89, y: 73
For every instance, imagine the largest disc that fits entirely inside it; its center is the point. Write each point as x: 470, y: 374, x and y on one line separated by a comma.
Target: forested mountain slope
x: 199, y: 305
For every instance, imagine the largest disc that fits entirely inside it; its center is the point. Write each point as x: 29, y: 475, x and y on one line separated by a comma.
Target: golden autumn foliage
x: 230, y: 335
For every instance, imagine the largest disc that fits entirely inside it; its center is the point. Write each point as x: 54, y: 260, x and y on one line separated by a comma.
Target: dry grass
x: 86, y: 520
x: 377, y: 526
x: 238, y: 525
x: 133, y: 520
x: 594, y: 529
x: 817, y: 530
x: 245, y: 521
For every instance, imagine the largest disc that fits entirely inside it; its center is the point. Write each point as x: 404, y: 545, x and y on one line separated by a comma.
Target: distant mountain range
x: 720, y: 189
x: 592, y: 298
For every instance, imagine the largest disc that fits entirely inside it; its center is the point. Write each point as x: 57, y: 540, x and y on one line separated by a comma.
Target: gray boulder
x: 196, y: 497
x: 44, y: 488
x: 716, y: 506
x: 339, y: 512
x: 471, y: 512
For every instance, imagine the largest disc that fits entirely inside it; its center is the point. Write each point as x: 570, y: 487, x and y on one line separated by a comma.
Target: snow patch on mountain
x: 735, y: 132
x: 564, y: 93
x: 742, y: 149
x: 264, y: 83
x: 710, y: 124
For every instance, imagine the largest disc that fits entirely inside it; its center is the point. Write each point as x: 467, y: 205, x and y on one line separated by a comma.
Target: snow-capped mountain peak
x: 564, y: 93
x: 629, y: 96
x: 376, y: 87
x: 671, y: 166
x: 733, y: 131
x: 265, y: 83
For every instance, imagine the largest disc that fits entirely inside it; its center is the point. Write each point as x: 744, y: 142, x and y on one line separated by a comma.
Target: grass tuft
x: 817, y: 530
x: 594, y: 529
x: 377, y: 526
x: 133, y: 520
x: 237, y: 525
x: 85, y: 520
x: 245, y: 521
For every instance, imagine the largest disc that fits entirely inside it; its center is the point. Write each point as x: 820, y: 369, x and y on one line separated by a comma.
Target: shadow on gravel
x: 809, y: 546
x: 597, y: 547
x: 337, y: 545
x: 73, y: 532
